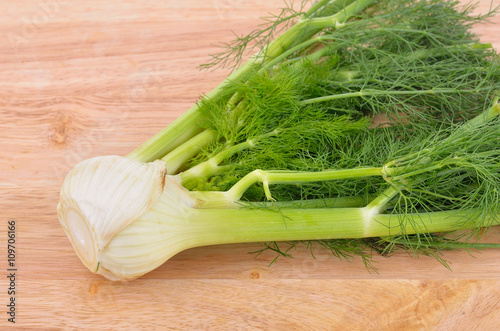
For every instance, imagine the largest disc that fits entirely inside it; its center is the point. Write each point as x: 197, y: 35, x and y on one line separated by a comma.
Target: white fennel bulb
x: 103, y: 196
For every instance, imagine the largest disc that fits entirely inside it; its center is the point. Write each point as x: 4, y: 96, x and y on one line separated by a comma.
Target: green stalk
x: 442, y: 244
x: 183, y: 153
x: 202, y: 227
x: 316, y: 6
x: 275, y: 177
x: 366, y: 93
x: 222, y: 200
x: 380, y: 203
x: 305, y: 29
x: 289, y: 52
x: 337, y: 202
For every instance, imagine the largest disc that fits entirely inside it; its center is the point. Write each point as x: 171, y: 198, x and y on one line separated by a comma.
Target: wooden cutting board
x: 81, y: 79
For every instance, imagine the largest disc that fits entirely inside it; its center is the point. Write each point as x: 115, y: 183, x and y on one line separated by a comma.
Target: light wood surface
x: 86, y: 78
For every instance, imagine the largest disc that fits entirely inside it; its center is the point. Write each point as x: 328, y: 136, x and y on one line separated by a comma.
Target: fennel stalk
x: 363, y: 119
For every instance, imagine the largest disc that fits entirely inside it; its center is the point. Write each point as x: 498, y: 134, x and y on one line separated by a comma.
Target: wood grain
x: 81, y: 79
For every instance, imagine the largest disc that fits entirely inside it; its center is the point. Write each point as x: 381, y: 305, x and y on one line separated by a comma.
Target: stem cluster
x: 352, y: 118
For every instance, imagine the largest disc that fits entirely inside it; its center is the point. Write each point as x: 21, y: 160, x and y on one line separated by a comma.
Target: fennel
x: 363, y: 119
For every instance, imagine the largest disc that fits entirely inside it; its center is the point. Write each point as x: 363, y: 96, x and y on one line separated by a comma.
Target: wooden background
x: 86, y: 78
